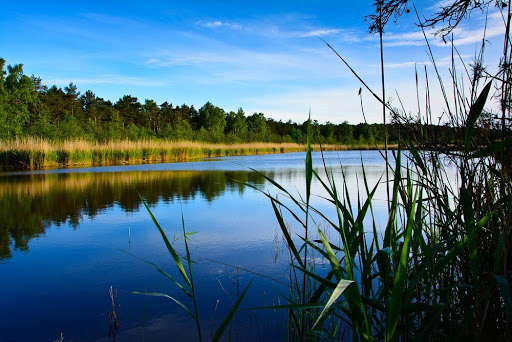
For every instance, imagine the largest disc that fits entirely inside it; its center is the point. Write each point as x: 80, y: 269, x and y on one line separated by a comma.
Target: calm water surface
x: 64, y: 241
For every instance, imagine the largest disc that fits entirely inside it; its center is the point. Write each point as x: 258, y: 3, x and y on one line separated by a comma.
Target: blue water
x: 69, y: 235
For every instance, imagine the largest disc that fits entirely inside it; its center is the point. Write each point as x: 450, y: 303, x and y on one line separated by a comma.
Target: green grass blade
x: 309, y: 163
x: 325, y: 282
x: 335, y: 265
x: 395, y: 302
x: 469, y: 218
x: 157, y: 294
x: 282, y: 204
x: 340, y: 288
x: 390, y: 226
x: 161, y: 271
x: 287, y: 236
x: 323, y: 286
x: 171, y: 250
x: 223, y: 325
x: 496, y: 147
x: 474, y: 113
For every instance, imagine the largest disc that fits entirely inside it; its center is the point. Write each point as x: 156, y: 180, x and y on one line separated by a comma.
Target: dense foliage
x: 30, y: 109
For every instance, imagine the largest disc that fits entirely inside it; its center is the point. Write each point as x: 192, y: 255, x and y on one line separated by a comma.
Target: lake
x: 68, y: 236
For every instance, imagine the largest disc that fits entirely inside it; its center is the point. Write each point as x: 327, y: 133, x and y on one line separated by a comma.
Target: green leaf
x: 157, y: 294
x: 171, y: 250
x: 286, y: 234
x: 167, y: 275
x: 324, y: 282
x: 309, y: 163
x: 474, y: 113
x: 340, y: 288
x: 395, y: 302
x: 223, y: 325
x: 335, y: 265
x: 469, y: 218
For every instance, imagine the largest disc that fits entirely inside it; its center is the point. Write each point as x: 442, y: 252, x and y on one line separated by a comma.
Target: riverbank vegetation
x: 44, y: 126
x: 33, y: 154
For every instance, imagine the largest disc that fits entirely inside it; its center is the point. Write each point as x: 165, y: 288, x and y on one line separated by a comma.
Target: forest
x: 30, y: 109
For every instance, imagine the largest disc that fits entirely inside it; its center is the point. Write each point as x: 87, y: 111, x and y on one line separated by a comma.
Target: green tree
x: 54, y: 102
x: 70, y: 128
x: 152, y: 114
x: 130, y: 111
x: 212, y: 118
x: 345, y: 133
x: 236, y: 123
x: 71, y: 96
x: 92, y: 107
x: 257, y: 127
x: 19, y: 93
x: 327, y: 132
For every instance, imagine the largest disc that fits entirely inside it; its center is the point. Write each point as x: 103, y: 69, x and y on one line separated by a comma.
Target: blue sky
x: 263, y: 56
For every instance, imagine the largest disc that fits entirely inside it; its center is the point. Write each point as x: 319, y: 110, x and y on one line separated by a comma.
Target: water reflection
x: 29, y: 204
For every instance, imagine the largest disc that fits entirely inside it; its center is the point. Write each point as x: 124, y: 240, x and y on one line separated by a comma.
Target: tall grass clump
x: 437, y: 270
x: 33, y: 153
x: 186, y: 284
x: 440, y: 268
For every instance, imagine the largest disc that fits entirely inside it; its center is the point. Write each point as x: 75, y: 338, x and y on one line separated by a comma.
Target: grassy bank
x: 33, y: 154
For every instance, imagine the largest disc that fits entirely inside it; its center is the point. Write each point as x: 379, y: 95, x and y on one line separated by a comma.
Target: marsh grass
x: 424, y: 276
x: 34, y: 154
x: 186, y: 284
x: 440, y: 267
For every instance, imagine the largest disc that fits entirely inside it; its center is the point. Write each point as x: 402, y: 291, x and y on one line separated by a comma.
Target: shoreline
x: 30, y: 155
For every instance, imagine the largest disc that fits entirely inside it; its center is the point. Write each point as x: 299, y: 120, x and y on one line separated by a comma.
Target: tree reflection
x: 29, y: 204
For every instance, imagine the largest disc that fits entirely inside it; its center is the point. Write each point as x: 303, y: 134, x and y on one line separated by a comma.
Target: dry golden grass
x: 34, y: 144
x: 33, y: 153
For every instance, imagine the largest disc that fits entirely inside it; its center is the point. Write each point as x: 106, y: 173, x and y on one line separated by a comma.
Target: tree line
x: 30, y: 109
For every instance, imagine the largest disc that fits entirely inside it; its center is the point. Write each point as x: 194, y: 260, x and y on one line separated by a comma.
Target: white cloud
x: 464, y: 34
x: 227, y: 65
x: 440, y: 62
x: 187, y: 59
x: 218, y: 24
x: 408, y: 39
x: 320, y: 33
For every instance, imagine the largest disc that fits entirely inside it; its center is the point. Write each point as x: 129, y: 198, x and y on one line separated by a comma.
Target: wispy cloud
x: 345, y: 35
x: 320, y: 33
x: 440, y: 62
x: 190, y: 59
x: 407, y: 39
x: 108, y: 79
x: 462, y: 35
x: 214, y: 24
x: 225, y: 65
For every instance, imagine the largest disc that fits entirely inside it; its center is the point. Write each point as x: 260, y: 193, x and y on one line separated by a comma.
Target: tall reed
x: 440, y: 268
x: 37, y: 153
x: 187, y: 283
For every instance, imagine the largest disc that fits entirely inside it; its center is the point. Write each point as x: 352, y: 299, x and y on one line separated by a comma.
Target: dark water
x: 64, y: 241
